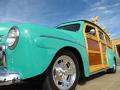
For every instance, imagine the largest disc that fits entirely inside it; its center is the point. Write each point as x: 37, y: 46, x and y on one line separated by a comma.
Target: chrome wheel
x: 64, y: 72
x: 114, y: 67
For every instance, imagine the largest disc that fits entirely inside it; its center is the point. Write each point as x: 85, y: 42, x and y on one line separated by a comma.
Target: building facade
x: 116, y: 47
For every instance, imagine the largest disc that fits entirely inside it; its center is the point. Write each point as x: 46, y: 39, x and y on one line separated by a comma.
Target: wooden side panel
x: 94, y: 52
x: 104, y: 53
x: 93, y: 45
x: 94, y: 59
x: 103, y: 48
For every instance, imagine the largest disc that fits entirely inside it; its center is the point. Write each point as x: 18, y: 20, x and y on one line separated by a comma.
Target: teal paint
x: 34, y: 53
x: 38, y: 45
x: 111, y: 56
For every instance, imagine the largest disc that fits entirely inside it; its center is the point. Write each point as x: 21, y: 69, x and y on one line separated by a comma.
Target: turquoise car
x: 61, y: 54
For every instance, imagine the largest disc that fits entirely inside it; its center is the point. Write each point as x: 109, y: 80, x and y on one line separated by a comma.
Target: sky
x: 53, y: 12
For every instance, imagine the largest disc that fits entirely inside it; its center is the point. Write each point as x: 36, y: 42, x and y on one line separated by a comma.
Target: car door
x: 93, y: 47
x: 103, y: 47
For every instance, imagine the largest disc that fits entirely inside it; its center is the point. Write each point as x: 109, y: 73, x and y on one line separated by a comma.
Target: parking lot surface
x: 101, y: 81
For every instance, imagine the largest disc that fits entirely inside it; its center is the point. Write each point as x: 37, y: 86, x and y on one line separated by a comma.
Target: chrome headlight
x: 12, y: 37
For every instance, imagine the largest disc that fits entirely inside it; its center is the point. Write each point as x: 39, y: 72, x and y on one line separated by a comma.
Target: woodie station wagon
x: 61, y: 54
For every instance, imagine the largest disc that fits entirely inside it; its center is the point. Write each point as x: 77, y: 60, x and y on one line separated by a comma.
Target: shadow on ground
x: 83, y: 81
x: 34, y: 86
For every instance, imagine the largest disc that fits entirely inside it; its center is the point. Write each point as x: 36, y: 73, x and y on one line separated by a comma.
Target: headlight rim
x: 16, y: 38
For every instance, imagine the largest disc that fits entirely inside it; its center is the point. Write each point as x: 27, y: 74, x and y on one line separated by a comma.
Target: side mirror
x: 92, y: 31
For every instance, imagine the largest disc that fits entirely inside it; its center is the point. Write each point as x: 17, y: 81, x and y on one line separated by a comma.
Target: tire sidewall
x: 50, y: 77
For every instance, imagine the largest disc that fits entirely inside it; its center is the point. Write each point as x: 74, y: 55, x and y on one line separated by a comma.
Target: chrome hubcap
x: 114, y: 66
x: 64, y: 72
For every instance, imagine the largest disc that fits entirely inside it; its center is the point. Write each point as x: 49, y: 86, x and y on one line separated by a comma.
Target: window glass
x: 107, y: 41
x: 72, y: 27
x: 101, y: 36
x: 90, y: 30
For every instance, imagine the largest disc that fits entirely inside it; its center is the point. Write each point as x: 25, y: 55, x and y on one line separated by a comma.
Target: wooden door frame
x: 101, y: 48
x: 99, y: 67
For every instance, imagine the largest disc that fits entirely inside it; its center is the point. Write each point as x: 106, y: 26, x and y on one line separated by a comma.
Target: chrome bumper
x: 8, y: 77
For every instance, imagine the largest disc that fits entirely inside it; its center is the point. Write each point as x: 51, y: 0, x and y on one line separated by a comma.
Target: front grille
x: 0, y: 48
x: 2, y: 57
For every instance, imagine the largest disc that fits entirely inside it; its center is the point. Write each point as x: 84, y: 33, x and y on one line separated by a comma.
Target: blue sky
x: 53, y: 12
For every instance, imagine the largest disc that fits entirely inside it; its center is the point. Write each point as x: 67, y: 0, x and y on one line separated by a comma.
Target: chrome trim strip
x: 61, y: 39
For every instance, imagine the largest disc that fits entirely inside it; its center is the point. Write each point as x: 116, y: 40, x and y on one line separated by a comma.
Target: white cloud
x: 107, y: 11
x: 109, y: 16
x: 97, y: 3
x: 116, y: 4
x: 10, y: 19
x: 98, y: 8
x: 23, y: 11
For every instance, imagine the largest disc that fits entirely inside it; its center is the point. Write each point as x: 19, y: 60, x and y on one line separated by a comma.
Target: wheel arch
x: 78, y: 56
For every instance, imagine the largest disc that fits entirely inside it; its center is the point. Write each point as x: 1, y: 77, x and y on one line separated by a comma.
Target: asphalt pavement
x: 101, y: 81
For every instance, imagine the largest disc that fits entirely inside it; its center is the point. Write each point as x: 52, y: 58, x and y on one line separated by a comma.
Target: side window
x: 71, y: 27
x: 90, y: 30
x: 107, y: 41
x: 101, y: 36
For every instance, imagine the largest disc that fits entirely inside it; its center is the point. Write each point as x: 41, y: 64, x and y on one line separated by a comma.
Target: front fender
x: 34, y: 51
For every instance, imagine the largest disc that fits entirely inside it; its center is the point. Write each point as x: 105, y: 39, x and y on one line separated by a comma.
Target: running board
x: 101, y: 70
